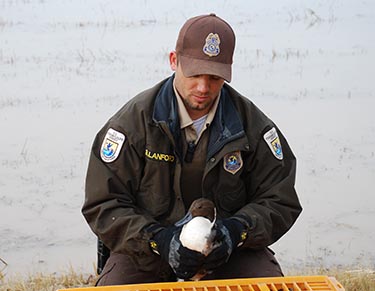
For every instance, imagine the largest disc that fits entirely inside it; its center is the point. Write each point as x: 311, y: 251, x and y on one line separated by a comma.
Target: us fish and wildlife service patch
x: 233, y: 162
x: 272, y: 139
x: 111, y: 145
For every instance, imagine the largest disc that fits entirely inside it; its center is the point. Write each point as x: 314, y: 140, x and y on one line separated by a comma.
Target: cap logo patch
x: 233, y: 162
x: 111, y: 145
x: 272, y: 139
x: 212, y: 45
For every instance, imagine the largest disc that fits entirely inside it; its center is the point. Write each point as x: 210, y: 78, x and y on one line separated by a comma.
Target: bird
x: 198, y: 231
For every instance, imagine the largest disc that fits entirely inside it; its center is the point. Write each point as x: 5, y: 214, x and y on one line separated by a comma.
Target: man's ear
x: 173, y: 60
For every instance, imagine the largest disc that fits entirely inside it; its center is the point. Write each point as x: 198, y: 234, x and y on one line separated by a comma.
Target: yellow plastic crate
x: 299, y: 283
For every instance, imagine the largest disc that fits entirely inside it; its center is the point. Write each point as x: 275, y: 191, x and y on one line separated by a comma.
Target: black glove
x: 184, y: 262
x: 230, y: 234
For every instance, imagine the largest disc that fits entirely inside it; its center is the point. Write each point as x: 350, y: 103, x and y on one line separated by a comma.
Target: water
x: 67, y: 66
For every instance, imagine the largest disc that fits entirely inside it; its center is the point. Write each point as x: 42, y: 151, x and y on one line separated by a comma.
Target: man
x: 190, y: 136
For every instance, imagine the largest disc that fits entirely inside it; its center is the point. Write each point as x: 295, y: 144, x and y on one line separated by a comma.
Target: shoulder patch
x: 111, y: 145
x: 272, y: 139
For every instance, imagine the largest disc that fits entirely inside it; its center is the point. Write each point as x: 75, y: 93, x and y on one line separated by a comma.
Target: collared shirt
x: 188, y: 124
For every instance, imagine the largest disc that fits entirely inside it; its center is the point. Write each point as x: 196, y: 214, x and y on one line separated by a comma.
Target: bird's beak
x: 184, y: 220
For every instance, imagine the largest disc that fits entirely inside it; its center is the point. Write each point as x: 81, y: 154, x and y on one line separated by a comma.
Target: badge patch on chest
x: 272, y: 139
x: 112, y: 145
x: 233, y: 162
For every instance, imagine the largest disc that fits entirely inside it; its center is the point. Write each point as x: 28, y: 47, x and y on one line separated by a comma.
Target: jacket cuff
x: 246, y: 225
x: 151, y: 231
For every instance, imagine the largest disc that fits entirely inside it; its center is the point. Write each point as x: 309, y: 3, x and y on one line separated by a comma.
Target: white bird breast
x: 195, y: 234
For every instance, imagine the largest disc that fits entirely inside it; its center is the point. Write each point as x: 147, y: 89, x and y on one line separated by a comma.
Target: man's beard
x: 196, y: 106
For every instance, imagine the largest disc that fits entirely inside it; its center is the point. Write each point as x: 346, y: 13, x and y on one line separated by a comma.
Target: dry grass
x: 46, y: 282
x: 361, y: 280
x: 354, y: 280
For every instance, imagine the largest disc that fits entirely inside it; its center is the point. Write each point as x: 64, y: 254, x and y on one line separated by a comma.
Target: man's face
x: 198, y: 92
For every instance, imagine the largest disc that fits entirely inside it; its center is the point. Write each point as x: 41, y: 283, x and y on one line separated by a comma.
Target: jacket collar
x: 225, y: 127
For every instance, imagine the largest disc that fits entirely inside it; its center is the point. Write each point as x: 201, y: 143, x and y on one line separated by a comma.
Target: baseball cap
x: 205, y: 45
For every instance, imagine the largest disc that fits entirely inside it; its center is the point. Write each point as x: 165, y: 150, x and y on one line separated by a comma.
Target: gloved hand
x: 184, y: 262
x: 230, y: 234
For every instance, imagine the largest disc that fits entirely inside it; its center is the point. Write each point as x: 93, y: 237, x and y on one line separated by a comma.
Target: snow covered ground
x: 67, y: 66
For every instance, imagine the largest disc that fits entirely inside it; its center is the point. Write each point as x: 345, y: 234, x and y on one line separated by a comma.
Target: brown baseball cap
x: 205, y: 45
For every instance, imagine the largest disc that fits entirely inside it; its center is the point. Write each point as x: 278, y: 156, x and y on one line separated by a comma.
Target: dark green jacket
x: 141, y: 186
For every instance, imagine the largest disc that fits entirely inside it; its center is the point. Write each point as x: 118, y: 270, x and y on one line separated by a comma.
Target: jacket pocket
x: 232, y: 201
x: 155, y: 191
x: 155, y: 204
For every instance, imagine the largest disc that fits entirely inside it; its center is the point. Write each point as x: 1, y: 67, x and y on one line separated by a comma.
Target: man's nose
x: 203, y: 84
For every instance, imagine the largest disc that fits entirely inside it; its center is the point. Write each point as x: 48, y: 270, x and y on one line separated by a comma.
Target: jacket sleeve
x: 110, y: 206
x: 273, y: 205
